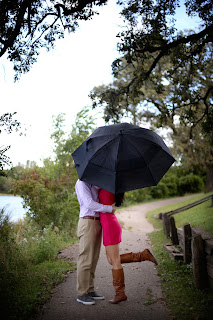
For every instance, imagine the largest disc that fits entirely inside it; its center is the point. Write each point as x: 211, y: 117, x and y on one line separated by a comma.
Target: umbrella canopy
x: 122, y: 157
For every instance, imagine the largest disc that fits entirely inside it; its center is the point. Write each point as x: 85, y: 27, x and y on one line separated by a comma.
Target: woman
x: 111, y: 238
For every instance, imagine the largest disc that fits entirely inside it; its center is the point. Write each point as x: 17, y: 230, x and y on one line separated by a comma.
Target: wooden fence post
x: 166, y: 224
x: 187, y: 250
x: 199, y: 262
x: 209, y: 267
x: 173, y: 230
x: 160, y: 215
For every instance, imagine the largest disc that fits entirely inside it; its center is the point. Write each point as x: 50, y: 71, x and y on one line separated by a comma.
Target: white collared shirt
x: 87, y: 195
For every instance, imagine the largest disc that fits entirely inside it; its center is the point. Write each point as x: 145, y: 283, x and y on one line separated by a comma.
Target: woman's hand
x: 113, y: 208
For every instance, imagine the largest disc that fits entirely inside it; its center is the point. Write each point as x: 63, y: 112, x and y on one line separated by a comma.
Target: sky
x: 60, y: 81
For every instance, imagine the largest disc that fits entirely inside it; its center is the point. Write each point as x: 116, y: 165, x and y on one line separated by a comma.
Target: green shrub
x: 160, y: 191
x: 40, y: 245
x: 49, y: 198
x: 171, y: 181
x: 190, y: 184
x: 46, y: 245
x: 172, y: 189
x: 5, y: 184
x: 12, y: 261
x: 28, y: 264
x: 137, y: 196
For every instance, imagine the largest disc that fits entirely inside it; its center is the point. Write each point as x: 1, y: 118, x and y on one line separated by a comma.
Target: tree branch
x: 165, y: 49
x: 28, y: 18
x: 50, y: 26
x: 206, y: 109
x: 81, y: 5
x: 181, y: 40
x: 42, y: 19
x: 26, y: 5
x: 9, y: 42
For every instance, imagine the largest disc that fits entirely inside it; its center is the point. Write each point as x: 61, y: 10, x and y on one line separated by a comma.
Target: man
x: 90, y: 235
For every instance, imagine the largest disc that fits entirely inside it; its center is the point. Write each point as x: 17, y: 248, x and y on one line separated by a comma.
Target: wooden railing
x: 186, y: 207
x: 195, y: 243
x: 165, y: 216
x: 196, y: 248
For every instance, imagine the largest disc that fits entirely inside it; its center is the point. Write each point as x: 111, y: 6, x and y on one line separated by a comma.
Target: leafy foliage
x: 29, y: 267
x: 49, y: 199
x: 11, y: 261
x: 65, y: 143
x: 171, y: 93
x: 151, y: 36
x: 164, y: 76
x: 26, y: 26
x: 8, y: 124
x: 49, y: 191
x: 190, y: 183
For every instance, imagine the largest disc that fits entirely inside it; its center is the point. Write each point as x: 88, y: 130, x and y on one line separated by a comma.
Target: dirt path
x: 145, y: 299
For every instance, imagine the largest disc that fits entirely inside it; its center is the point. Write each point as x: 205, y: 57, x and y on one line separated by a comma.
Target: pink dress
x: 111, y: 227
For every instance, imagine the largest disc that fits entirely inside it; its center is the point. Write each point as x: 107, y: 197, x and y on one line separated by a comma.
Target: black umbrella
x: 122, y: 157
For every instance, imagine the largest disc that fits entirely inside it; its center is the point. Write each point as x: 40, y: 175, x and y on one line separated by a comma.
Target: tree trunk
x: 209, y: 179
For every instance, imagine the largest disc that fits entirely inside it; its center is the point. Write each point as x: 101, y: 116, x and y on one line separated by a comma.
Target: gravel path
x: 145, y: 298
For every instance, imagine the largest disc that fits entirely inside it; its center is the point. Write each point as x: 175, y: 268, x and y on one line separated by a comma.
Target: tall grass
x: 29, y: 266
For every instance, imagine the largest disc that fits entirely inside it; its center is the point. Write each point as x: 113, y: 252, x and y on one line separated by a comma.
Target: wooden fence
x: 165, y: 216
x: 195, y: 243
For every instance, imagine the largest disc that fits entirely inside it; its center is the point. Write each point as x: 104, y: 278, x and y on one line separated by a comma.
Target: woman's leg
x: 129, y: 257
x: 108, y: 258
x: 117, y: 273
x: 145, y: 255
x: 113, y: 256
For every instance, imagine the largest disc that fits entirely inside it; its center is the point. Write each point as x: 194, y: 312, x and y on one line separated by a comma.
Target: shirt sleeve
x: 84, y: 195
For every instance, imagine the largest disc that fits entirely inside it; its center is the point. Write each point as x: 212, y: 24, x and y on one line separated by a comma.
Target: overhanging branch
x: 9, y: 42
x: 181, y: 40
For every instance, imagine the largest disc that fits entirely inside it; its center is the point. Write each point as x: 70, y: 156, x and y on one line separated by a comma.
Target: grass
x: 149, y: 298
x: 201, y: 215
x: 29, y: 267
x: 25, y: 289
x: 32, y: 287
x: 184, y: 301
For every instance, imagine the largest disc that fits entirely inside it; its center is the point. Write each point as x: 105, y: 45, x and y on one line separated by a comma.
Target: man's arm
x: 86, y: 197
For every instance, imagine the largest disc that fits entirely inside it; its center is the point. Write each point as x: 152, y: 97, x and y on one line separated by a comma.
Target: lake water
x: 13, y: 206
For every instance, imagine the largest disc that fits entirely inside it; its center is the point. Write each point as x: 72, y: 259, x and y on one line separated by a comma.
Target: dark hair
x: 119, y: 197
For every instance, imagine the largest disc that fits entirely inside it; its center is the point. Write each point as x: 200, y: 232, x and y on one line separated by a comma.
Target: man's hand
x: 113, y: 208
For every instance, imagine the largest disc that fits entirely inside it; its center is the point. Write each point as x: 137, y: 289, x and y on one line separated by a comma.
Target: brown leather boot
x: 138, y: 257
x: 119, y: 285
